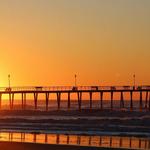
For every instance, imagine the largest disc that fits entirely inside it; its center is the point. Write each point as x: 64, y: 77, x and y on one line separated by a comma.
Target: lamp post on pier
x: 9, y: 81
x: 75, y: 80
x: 134, y: 81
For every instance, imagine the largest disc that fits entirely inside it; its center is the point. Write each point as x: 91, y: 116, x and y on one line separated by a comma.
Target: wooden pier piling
x: 12, y: 101
x: 47, y: 100
x: 68, y: 139
x: 111, y: 100
x: 22, y: 100
x: 149, y: 101
x: 146, y: 100
x: 79, y: 100
x: 0, y: 100
x: 121, y: 101
x: 58, y: 100
x: 69, y: 104
x: 141, y: 101
x: 131, y: 100
x: 46, y: 138
x: 90, y: 100
x: 101, y: 100
x: 25, y: 102
x: 35, y: 100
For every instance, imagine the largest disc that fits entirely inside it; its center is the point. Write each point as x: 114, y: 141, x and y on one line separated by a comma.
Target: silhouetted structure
x: 59, y: 90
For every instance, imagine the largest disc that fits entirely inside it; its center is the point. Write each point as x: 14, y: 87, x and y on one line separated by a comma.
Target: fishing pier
x: 142, y: 91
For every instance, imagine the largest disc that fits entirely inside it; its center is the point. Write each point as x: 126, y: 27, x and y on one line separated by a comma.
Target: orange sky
x: 46, y: 42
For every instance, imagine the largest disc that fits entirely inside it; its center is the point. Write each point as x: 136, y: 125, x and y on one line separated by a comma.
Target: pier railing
x: 73, y: 88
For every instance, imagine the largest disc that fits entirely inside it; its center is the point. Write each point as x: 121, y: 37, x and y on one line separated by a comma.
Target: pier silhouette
x: 79, y: 91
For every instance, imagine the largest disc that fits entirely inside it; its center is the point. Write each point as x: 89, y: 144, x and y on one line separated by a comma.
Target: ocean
x: 117, y: 128
x: 74, y: 104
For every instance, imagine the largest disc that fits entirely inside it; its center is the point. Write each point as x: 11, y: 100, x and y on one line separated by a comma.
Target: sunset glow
x: 74, y: 74
x: 46, y: 42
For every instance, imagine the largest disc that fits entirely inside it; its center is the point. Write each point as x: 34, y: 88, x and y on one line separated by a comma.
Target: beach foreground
x: 124, y: 129
x: 32, y: 146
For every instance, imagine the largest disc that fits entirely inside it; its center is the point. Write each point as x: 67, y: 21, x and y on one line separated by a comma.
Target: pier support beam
x: 148, y: 144
x: 22, y: 100
x: 10, y: 136
x: 121, y: 100
x: 24, y: 107
x: 111, y: 100
x: 131, y: 101
x: 90, y: 140
x: 140, y: 143
x: 78, y: 140
x: 141, y: 101
x: 110, y: 141
x: 34, y: 138
x: 69, y: 101
x: 149, y: 101
x: 46, y: 138
x: 130, y: 142
x: 0, y: 100
x: 100, y: 141
x: 101, y: 100
x: 57, y: 139
x: 58, y: 100
x: 120, y: 142
x: 90, y: 100
x: 146, y: 100
x: 12, y: 101
x: 79, y: 100
x: 47, y: 100
x: 35, y: 100
x: 23, y: 95
x: 68, y: 139
x: 22, y: 137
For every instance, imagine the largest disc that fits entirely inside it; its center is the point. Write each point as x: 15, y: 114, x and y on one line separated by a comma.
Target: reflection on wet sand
x: 99, y: 141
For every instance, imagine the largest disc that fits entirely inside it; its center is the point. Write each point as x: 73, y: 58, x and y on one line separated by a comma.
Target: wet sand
x: 31, y: 146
